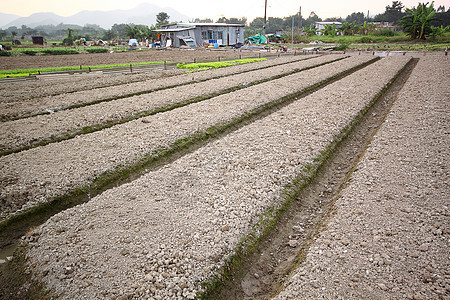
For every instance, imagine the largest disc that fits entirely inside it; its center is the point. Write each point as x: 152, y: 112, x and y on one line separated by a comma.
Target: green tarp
x: 257, y: 39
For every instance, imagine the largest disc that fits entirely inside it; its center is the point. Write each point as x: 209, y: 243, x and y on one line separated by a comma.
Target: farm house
x: 196, y: 34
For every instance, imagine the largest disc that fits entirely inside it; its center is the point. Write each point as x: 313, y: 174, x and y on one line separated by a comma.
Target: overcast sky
x: 212, y: 8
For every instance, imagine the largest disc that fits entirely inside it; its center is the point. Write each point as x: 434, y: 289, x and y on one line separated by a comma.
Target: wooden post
x: 165, y: 66
x: 219, y: 58
x: 195, y: 60
x: 131, y: 68
x: 259, y: 55
x: 240, y: 56
x: 423, y: 53
x: 39, y: 72
x: 89, y: 69
x: 80, y: 67
x: 295, y: 52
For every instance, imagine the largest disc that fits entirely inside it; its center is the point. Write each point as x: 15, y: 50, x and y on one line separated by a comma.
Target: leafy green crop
x: 218, y: 64
x: 27, y: 72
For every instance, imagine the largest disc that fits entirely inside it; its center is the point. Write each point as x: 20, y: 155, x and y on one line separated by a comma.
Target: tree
x: 349, y: 28
x: 392, y: 13
x: 366, y: 27
x: 13, y: 34
x: 120, y: 30
x: 109, y: 35
x: 2, y: 34
x: 162, y: 18
x: 330, y: 29
x: 68, y: 41
x: 312, y: 19
x: 310, y: 30
x: 358, y: 18
x: 417, y: 23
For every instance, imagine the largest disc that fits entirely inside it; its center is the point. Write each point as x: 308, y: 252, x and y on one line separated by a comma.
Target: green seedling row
x: 28, y: 72
x: 218, y: 64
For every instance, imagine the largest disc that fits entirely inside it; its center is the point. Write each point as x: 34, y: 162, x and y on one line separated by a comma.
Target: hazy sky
x: 211, y: 9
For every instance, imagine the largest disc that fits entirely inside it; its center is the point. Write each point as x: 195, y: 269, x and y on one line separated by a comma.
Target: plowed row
x: 36, y: 175
x: 388, y: 236
x: 21, y: 107
x: 165, y: 233
x: 29, y: 131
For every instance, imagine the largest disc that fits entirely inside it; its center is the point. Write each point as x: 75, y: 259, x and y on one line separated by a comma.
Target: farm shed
x: 196, y: 34
x: 38, y: 40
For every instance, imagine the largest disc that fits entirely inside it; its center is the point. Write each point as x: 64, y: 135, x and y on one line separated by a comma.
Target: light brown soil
x: 177, y: 55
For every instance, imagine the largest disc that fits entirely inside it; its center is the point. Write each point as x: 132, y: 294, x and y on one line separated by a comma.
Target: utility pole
x: 300, y: 18
x: 292, y: 39
x: 265, y: 17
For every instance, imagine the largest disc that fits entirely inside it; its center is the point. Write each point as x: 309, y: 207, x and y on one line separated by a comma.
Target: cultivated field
x: 211, y: 159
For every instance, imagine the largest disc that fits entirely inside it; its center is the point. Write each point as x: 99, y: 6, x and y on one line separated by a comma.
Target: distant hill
x: 142, y: 14
x: 6, y: 18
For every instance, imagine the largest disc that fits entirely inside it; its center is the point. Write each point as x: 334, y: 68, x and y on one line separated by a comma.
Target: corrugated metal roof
x: 211, y: 24
x: 178, y: 29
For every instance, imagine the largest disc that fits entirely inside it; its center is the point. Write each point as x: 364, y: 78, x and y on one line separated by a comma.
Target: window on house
x: 220, y: 35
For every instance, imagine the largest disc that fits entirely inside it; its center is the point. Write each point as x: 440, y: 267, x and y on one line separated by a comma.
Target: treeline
x: 89, y: 31
x: 356, y: 22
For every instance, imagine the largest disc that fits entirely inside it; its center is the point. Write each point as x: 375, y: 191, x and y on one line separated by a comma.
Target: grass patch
x: 28, y: 72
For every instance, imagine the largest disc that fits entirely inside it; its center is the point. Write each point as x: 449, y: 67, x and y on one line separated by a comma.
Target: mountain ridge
x: 144, y: 14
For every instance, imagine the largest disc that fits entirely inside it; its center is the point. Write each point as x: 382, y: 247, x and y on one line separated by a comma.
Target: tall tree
x: 357, y: 17
x: 162, y: 18
x: 392, y: 13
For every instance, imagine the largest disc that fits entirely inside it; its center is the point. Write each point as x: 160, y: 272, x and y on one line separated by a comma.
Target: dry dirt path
x: 36, y: 175
x: 68, y: 123
x: 388, y: 235
x: 166, y: 232
x: 73, y: 95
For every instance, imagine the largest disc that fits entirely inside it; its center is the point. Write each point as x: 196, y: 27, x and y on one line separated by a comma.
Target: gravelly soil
x: 388, y: 237
x: 22, y: 132
x: 178, y: 55
x: 168, y: 230
x: 35, y: 175
x: 41, y: 88
x: 109, y: 86
x: 15, y: 93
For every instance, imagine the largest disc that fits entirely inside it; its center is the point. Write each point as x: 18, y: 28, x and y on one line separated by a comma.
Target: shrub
x: 5, y: 53
x: 96, y: 50
x: 342, y: 47
x: 365, y: 39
